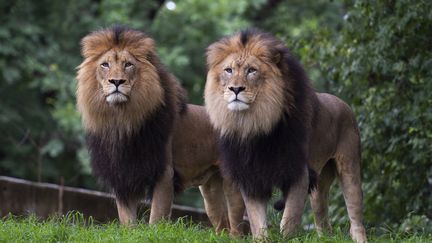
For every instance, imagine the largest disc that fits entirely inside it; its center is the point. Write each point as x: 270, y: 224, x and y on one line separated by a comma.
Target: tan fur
x: 337, y: 137
x: 192, y: 148
x: 333, y: 132
x: 195, y: 157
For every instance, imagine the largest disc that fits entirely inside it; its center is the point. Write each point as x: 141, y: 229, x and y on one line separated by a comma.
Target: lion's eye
x: 228, y: 70
x: 251, y: 70
x: 128, y: 64
x: 105, y: 65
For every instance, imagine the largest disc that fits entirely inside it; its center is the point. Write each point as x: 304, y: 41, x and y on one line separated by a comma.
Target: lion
x: 142, y: 137
x: 272, y: 125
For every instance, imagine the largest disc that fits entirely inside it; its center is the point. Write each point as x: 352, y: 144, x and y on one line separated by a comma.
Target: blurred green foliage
x: 382, y: 64
x: 376, y: 55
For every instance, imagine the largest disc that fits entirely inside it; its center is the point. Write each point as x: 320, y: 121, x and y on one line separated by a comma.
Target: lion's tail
x: 279, y: 205
x: 313, y: 180
x: 178, y: 185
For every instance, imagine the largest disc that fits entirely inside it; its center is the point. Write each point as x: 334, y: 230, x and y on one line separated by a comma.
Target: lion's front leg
x: 127, y: 211
x: 256, y: 210
x: 294, y: 205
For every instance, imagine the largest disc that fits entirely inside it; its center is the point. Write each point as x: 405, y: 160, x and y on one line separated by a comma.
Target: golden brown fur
x: 273, y: 98
x: 147, y: 91
x: 100, y: 47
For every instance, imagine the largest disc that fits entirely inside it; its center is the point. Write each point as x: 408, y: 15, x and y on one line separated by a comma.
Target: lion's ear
x: 88, y: 45
x: 147, y: 43
x: 143, y: 49
x: 277, y: 57
x: 95, y: 44
x: 278, y: 51
x: 213, y: 55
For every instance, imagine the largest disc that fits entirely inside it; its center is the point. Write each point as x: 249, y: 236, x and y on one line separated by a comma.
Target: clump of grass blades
x: 74, y: 227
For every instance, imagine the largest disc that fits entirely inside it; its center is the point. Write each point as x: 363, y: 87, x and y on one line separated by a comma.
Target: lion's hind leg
x: 319, y: 197
x: 214, y: 202
x: 294, y: 205
x: 235, y: 206
x: 348, y: 168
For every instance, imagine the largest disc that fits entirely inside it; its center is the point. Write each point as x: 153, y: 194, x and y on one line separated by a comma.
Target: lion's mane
x: 266, y: 146
x: 127, y: 142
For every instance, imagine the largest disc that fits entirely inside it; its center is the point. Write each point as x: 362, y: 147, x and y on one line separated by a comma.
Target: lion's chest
x: 131, y: 165
x: 266, y: 161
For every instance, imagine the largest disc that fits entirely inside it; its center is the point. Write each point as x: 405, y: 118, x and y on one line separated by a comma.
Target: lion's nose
x: 237, y: 89
x: 117, y: 82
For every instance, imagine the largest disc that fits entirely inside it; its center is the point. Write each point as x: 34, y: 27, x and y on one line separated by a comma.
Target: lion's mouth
x: 117, y: 92
x: 238, y: 105
x: 116, y: 97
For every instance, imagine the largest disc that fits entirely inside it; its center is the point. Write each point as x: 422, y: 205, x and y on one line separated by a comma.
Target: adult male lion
x: 272, y: 124
x: 141, y: 135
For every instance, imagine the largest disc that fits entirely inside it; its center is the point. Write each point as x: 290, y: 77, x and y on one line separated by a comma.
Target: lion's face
x: 245, y: 90
x: 240, y: 81
x: 241, y: 78
x: 118, y: 82
x: 117, y: 74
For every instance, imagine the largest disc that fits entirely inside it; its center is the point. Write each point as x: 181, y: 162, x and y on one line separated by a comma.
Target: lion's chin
x: 237, y: 106
x: 116, y: 98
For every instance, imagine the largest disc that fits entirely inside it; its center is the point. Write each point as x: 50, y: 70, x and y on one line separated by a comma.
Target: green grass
x: 74, y: 228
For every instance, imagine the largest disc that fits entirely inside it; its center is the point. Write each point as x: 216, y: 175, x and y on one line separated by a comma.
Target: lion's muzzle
x: 235, y: 98
x: 117, y: 82
x: 236, y: 89
x: 116, y: 94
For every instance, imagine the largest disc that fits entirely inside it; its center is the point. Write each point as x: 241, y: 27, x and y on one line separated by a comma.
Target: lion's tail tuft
x: 279, y: 205
x: 313, y: 180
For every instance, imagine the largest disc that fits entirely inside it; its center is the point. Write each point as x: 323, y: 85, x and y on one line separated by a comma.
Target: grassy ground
x: 73, y: 228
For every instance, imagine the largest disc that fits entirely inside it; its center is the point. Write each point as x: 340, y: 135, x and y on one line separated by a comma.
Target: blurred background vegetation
x: 376, y: 55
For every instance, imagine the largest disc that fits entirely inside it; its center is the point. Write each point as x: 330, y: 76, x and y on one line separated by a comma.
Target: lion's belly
x: 322, y: 145
x: 194, y: 147
x: 326, y: 133
x: 194, y: 162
